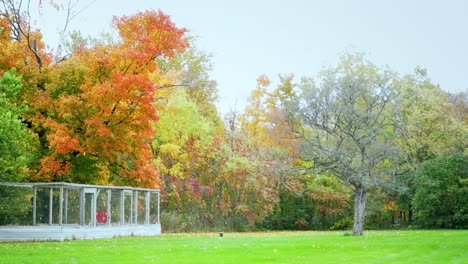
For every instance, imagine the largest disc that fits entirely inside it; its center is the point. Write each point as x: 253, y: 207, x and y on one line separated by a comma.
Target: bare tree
x: 73, y: 9
x: 18, y: 14
x: 346, y: 123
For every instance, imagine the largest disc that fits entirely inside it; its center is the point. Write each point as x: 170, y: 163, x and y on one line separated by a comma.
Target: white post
x: 93, y: 208
x: 82, y: 206
x: 131, y: 208
x: 109, y: 212
x: 51, y: 203
x: 122, y: 207
x: 34, y: 204
x: 135, y: 204
x: 147, y: 208
x: 66, y: 206
x: 61, y: 206
x: 159, y: 209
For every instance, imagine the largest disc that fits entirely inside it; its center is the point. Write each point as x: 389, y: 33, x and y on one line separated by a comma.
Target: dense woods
x: 356, y: 146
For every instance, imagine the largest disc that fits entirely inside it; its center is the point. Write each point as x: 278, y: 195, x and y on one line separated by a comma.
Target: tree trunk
x: 410, y: 213
x: 360, y: 198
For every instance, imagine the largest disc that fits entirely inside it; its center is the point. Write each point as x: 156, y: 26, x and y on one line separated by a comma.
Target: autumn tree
x: 245, y: 187
x: 431, y: 127
x: 183, y: 153
x: 207, y: 183
x: 245, y: 194
x: 346, y: 123
x: 100, y: 109
x: 188, y: 140
x: 258, y: 155
x: 304, y: 201
x: 265, y: 126
x: 190, y: 69
x: 16, y: 13
x: 93, y: 112
x: 434, y: 126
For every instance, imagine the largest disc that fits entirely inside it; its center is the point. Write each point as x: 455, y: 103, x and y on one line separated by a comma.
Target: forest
x: 356, y: 146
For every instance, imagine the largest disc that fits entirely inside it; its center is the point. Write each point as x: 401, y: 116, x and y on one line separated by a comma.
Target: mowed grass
x: 443, y: 246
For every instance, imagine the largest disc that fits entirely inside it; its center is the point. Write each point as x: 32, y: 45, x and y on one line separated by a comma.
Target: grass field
x: 267, y: 247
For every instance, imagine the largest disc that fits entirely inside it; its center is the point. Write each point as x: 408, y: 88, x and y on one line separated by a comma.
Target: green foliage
x: 15, y: 206
x: 15, y: 151
x: 343, y: 224
x: 292, y: 212
x: 15, y: 140
x: 429, y: 124
x: 382, y: 211
x: 441, y: 197
x: 83, y: 170
x: 184, y: 222
x: 433, y: 124
x: 322, y: 205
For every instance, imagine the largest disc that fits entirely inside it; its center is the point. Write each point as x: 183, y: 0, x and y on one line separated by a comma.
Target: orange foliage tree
x: 102, y: 109
x: 94, y: 112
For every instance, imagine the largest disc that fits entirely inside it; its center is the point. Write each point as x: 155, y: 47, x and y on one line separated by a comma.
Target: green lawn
x: 267, y: 247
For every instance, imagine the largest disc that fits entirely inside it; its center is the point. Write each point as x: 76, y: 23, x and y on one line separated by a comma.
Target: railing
x: 117, y: 205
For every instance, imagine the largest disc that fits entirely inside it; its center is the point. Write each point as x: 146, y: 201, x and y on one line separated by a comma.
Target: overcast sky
x: 252, y: 37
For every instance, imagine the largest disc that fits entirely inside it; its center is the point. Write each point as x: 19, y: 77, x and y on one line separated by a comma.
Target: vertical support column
x: 147, y: 208
x: 66, y: 206
x: 34, y: 204
x: 135, y: 205
x: 61, y: 206
x: 131, y: 208
x: 108, y: 209
x: 159, y: 209
x: 51, y: 204
x: 93, y: 207
x: 82, y: 206
x: 122, y: 207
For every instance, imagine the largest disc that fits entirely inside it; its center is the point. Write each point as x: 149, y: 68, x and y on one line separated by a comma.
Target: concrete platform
x: 70, y: 232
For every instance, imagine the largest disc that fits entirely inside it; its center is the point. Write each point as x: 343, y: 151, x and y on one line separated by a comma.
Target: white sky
x: 252, y: 37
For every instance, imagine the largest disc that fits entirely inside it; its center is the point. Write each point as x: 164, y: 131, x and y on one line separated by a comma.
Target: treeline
x: 139, y: 109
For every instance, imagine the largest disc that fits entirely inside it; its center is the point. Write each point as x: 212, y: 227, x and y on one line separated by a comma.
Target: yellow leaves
x: 263, y: 81
x: 390, y: 206
x: 103, y: 173
x: 172, y: 160
x: 55, y: 5
x: 169, y: 150
x: 165, y: 79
